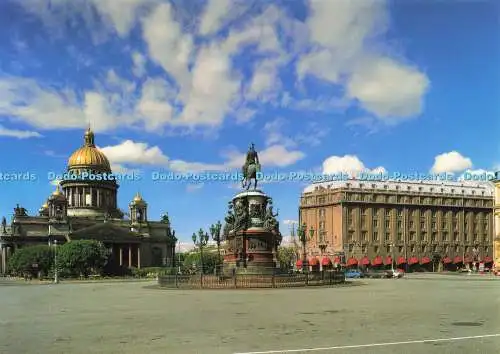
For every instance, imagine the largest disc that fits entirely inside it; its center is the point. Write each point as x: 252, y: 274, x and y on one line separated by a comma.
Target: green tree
x: 31, y: 259
x: 194, y: 258
x: 286, y: 256
x: 82, y: 257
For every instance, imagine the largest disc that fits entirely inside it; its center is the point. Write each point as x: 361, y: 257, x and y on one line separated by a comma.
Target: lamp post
x: 215, y: 232
x: 301, y: 231
x: 200, y: 241
x: 391, y: 245
x: 56, y: 275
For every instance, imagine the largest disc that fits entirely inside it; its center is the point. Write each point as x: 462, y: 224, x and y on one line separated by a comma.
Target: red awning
x: 468, y: 259
x: 457, y: 259
x: 378, y: 261
x: 336, y: 260
x: 298, y: 264
x: 352, y: 261
x: 401, y: 260
x: 388, y: 260
x: 487, y: 259
x: 425, y: 260
x: 447, y: 260
x: 365, y: 261
x: 326, y: 261
x: 313, y: 261
x: 413, y: 260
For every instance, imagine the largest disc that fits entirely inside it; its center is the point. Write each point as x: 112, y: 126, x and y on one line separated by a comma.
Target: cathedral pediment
x: 106, y: 232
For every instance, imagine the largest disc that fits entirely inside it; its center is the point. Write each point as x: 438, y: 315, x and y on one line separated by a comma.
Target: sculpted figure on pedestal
x: 241, y: 215
x: 270, y: 222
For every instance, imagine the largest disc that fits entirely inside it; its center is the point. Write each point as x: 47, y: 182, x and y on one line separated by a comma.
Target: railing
x: 245, y: 281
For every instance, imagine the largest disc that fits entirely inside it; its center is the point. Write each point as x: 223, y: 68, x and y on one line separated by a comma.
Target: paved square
x: 131, y: 317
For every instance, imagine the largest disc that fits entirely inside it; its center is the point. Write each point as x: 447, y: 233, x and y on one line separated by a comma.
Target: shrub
x: 31, y: 260
x: 82, y: 258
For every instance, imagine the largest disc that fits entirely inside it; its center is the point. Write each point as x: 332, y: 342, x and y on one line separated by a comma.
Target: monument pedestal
x: 251, y: 244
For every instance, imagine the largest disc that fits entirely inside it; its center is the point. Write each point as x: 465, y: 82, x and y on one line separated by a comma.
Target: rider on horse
x: 251, y: 159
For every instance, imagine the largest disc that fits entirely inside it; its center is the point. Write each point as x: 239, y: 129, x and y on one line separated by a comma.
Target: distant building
x: 84, y: 208
x: 496, y: 246
x: 403, y: 223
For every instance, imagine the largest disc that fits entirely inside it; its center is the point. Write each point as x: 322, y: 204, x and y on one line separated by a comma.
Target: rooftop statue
x: 250, y: 168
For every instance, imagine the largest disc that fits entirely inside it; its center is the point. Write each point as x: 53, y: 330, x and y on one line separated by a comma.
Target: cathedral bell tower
x: 138, y: 210
x: 57, y: 205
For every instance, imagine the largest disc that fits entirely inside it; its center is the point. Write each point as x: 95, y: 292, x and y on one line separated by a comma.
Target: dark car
x: 379, y: 274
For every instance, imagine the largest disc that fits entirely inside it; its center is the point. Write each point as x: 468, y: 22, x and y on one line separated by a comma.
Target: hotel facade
x: 436, y: 225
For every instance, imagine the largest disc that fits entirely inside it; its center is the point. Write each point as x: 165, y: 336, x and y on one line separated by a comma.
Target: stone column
x: 121, y: 255
x: 138, y: 256
x: 130, y: 256
x: 3, y: 270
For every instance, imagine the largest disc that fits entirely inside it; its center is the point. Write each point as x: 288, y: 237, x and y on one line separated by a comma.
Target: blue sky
x: 183, y: 86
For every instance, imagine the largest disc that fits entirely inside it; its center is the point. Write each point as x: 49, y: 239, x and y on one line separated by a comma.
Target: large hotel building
x: 443, y: 224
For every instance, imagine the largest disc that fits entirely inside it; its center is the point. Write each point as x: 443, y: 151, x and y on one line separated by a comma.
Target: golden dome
x: 138, y: 199
x: 88, y: 156
x: 57, y: 194
x: 45, y: 205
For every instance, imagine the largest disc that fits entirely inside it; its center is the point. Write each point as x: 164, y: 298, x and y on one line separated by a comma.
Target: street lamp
x: 200, y: 241
x: 56, y: 278
x: 215, y: 232
x: 302, y: 231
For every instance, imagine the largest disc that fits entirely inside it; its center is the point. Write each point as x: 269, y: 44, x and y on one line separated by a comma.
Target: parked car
x: 396, y: 273
x: 354, y: 274
x: 377, y: 274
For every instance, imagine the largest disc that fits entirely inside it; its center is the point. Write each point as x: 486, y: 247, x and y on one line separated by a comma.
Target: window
x: 387, y: 236
x: 363, y: 211
x: 412, y: 236
x: 387, y: 213
x: 375, y: 236
x: 455, y: 237
x: 412, y: 224
x: 400, y: 213
x: 364, y: 236
x: 351, y: 236
x: 387, y: 224
x: 375, y: 212
x: 375, y: 223
x: 400, y: 236
x: 424, y: 236
x: 321, y: 200
x: 422, y: 225
x: 376, y: 249
x: 433, y: 224
x: 434, y: 237
x: 445, y: 236
x: 400, y: 225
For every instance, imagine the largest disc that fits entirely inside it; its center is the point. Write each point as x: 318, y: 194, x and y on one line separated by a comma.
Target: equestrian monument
x: 251, y: 231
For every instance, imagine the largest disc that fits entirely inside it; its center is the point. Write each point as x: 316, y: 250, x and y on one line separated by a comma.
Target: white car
x: 396, y: 273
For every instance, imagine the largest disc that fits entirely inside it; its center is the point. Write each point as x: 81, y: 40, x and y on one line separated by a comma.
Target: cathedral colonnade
x: 126, y: 255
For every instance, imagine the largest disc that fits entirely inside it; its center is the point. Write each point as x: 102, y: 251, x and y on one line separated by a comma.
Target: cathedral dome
x: 138, y: 200
x: 89, y: 157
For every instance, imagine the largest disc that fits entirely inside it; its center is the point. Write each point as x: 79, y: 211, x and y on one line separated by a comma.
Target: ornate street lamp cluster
x: 304, y: 237
x: 215, y: 230
x: 200, y: 241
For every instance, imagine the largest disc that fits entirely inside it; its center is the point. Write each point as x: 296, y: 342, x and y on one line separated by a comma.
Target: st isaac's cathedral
x: 87, y: 209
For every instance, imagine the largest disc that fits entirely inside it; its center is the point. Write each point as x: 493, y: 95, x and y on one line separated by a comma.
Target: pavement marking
x: 373, y: 344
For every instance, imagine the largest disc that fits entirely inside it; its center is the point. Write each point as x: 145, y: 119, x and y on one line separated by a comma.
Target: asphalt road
x: 378, y: 316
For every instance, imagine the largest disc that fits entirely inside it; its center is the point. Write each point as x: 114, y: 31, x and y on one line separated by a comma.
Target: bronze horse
x: 249, y: 174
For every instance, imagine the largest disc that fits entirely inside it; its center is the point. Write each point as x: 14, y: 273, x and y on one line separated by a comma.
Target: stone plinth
x: 252, y: 241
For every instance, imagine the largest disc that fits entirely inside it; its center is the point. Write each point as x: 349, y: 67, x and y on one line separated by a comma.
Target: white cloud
x: 139, y: 61
x: 290, y: 222
x: 478, y: 176
x: 385, y: 87
x: 349, y: 164
x: 215, y: 12
x: 121, y: 15
x: 389, y: 89
x: 154, y: 106
x: 20, y: 134
x: 451, y: 161
x: 130, y: 152
x: 167, y: 44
